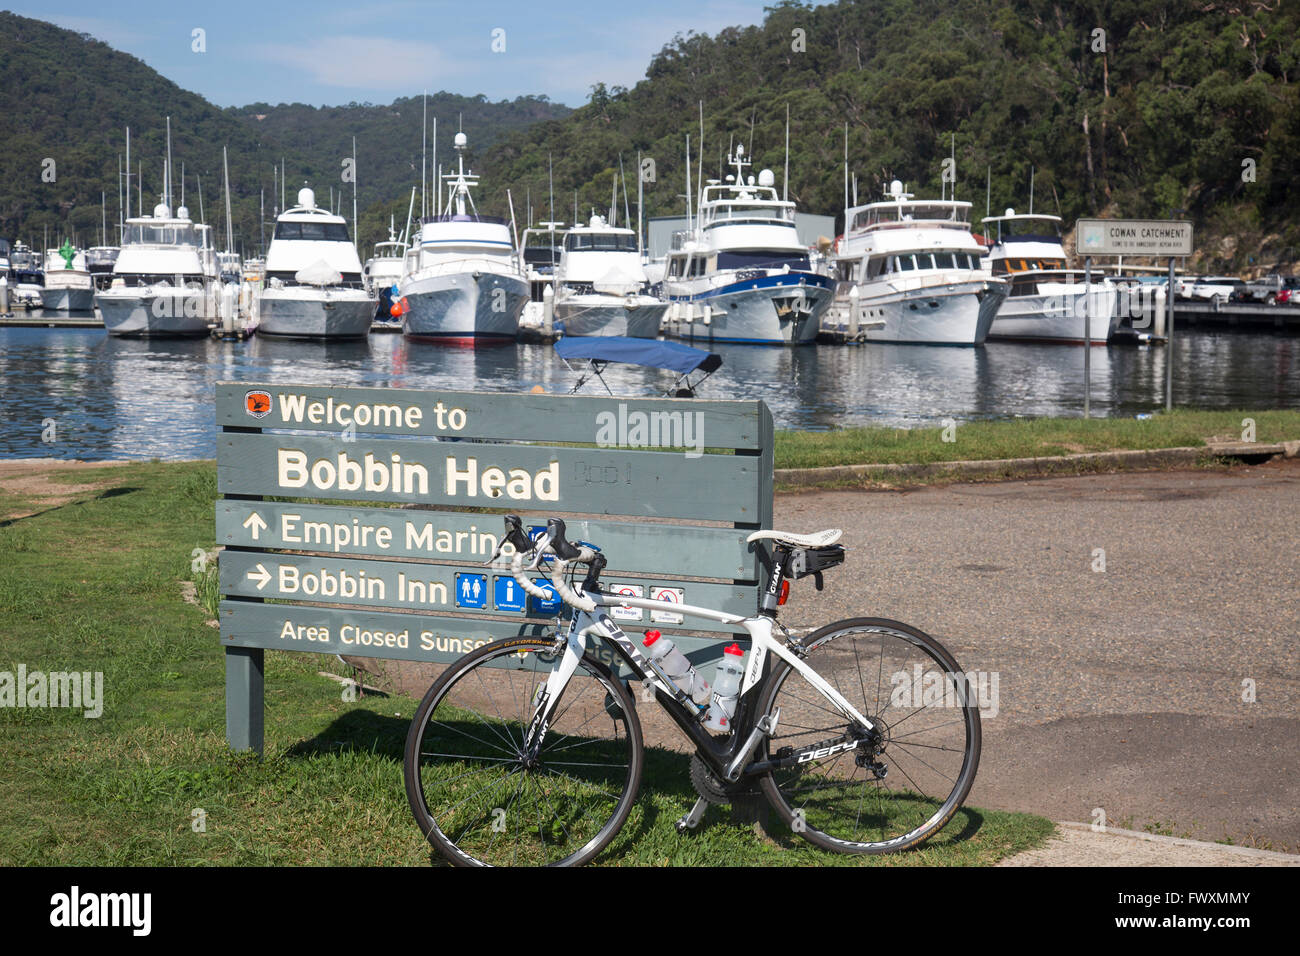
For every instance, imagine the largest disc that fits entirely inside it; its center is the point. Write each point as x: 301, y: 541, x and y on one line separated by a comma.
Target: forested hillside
x: 67, y: 97
x: 1137, y: 108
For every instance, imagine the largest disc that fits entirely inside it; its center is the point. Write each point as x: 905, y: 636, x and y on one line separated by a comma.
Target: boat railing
x: 450, y: 263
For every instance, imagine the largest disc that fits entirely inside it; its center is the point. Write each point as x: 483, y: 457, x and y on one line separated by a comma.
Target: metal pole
x: 1169, y: 343
x: 1087, y: 337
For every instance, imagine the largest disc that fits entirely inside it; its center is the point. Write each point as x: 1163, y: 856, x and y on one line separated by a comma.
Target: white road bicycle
x: 863, y: 735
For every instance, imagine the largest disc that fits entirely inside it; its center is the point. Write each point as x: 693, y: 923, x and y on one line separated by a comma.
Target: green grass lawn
x: 95, y: 585
x: 1025, y: 438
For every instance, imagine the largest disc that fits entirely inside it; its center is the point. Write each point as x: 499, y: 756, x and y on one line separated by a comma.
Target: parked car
x: 1287, y: 295
x: 1266, y: 288
x: 1241, y: 292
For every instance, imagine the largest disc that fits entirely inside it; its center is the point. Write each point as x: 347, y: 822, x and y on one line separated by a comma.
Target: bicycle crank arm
x: 765, y: 727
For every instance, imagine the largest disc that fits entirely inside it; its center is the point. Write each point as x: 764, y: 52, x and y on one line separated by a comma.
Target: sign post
x: 1152, y: 238
x: 387, y: 502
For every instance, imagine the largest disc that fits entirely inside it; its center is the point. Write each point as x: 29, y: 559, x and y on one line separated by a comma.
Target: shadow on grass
x: 108, y: 493
x: 359, y: 729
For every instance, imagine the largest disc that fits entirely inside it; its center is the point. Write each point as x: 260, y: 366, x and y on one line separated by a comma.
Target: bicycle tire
x: 452, y: 739
x: 828, y: 812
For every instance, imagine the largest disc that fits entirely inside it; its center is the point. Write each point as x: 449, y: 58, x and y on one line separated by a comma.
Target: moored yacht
x: 164, y: 279
x: 26, y: 277
x: 541, y: 249
x: 916, y: 269
x: 742, y: 275
x: 601, y: 287
x: 313, y: 277
x: 99, y: 263
x: 461, y: 282
x: 381, y: 273
x: 68, y: 286
x: 1045, y: 302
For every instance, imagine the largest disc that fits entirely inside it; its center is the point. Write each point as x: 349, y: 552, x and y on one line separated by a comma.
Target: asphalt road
x: 1120, y: 691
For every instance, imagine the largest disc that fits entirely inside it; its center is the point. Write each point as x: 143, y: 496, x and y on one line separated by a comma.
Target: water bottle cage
x: 806, y: 561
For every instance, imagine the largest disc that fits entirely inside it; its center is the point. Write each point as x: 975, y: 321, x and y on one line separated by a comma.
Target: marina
x: 114, y: 397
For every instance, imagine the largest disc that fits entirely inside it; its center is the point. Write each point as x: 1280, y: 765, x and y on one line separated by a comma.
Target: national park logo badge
x: 258, y: 403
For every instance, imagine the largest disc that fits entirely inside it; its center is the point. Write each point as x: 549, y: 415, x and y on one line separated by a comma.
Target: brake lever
x: 539, y: 551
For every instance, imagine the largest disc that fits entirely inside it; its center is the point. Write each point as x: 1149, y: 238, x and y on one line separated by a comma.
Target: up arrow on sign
x: 261, y: 577
x: 255, y: 524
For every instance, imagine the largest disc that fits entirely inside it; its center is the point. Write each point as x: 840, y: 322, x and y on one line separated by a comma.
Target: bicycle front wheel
x: 481, y: 800
x: 852, y: 791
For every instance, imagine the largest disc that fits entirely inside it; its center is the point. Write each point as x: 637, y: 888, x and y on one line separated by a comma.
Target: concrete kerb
x: 1079, y: 845
x: 1019, y: 467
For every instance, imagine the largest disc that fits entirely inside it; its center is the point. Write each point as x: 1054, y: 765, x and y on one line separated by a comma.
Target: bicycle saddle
x: 821, y: 539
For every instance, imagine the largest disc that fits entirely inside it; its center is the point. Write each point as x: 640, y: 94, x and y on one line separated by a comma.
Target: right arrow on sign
x: 261, y: 576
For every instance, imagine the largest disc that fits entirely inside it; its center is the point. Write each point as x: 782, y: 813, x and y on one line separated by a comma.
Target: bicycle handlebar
x: 554, y: 541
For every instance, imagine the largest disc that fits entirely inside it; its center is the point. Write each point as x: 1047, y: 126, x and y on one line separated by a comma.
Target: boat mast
x: 627, y: 213
x: 225, y: 171
x: 690, y: 226
x: 167, y: 187
x: 128, y: 175
x: 356, y: 238
x: 640, y: 193
x: 424, y: 148
x: 785, y: 189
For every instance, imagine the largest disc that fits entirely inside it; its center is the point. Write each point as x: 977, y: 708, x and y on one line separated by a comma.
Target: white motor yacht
x: 916, y: 269
x: 165, y: 277
x: 26, y: 277
x: 313, y: 277
x: 742, y: 275
x: 381, y: 273
x: 601, y: 286
x: 68, y: 284
x: 99, y: 263
x: 1045, y: 301
x: 462, y: 283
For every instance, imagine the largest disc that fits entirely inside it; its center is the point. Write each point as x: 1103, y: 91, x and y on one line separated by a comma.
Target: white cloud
x: 370, y: 63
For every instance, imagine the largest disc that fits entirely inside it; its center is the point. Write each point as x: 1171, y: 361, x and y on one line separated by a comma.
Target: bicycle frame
x: 721, y: 754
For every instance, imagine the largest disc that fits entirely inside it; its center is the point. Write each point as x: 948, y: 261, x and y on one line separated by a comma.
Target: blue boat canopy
x: 612, y: 348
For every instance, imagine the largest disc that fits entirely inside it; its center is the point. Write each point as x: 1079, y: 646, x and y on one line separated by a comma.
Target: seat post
x: 770, y: 599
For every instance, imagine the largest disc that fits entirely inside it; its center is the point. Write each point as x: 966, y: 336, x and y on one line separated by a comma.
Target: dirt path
x: 29, y: 485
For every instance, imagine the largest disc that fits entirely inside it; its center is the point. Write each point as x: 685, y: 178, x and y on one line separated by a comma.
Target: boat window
x: 761, y: 260
x: 924, y: 260
x: 600, y: 242
x: 675, y: 266
x: 319, y: 231
x: 906, y: 263
x: 944, y: 260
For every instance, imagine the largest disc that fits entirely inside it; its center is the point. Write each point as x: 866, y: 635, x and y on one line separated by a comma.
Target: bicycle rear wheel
x: 854, y: 793
x: 475, y: 794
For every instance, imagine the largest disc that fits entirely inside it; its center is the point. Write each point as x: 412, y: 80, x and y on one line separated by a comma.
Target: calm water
x: 120, y: 398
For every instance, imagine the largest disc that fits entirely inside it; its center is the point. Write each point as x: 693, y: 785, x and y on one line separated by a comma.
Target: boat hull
x: 305, y: 313
x: 959, y: 313
x: 147, y: 311
x: 611, y: 315
x: 461, y: 309
x: 1058, y: 315
x: 775, y: 310
x: 68, y: 299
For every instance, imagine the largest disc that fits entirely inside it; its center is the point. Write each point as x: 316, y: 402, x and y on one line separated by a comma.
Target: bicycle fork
x: 548, y: 695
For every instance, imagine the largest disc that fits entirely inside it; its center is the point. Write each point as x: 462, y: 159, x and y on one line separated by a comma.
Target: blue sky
x: 333, y: 52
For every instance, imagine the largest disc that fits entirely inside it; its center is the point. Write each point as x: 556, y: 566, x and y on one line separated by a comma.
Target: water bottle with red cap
x: 673, y: 662
x: 726, y: 688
